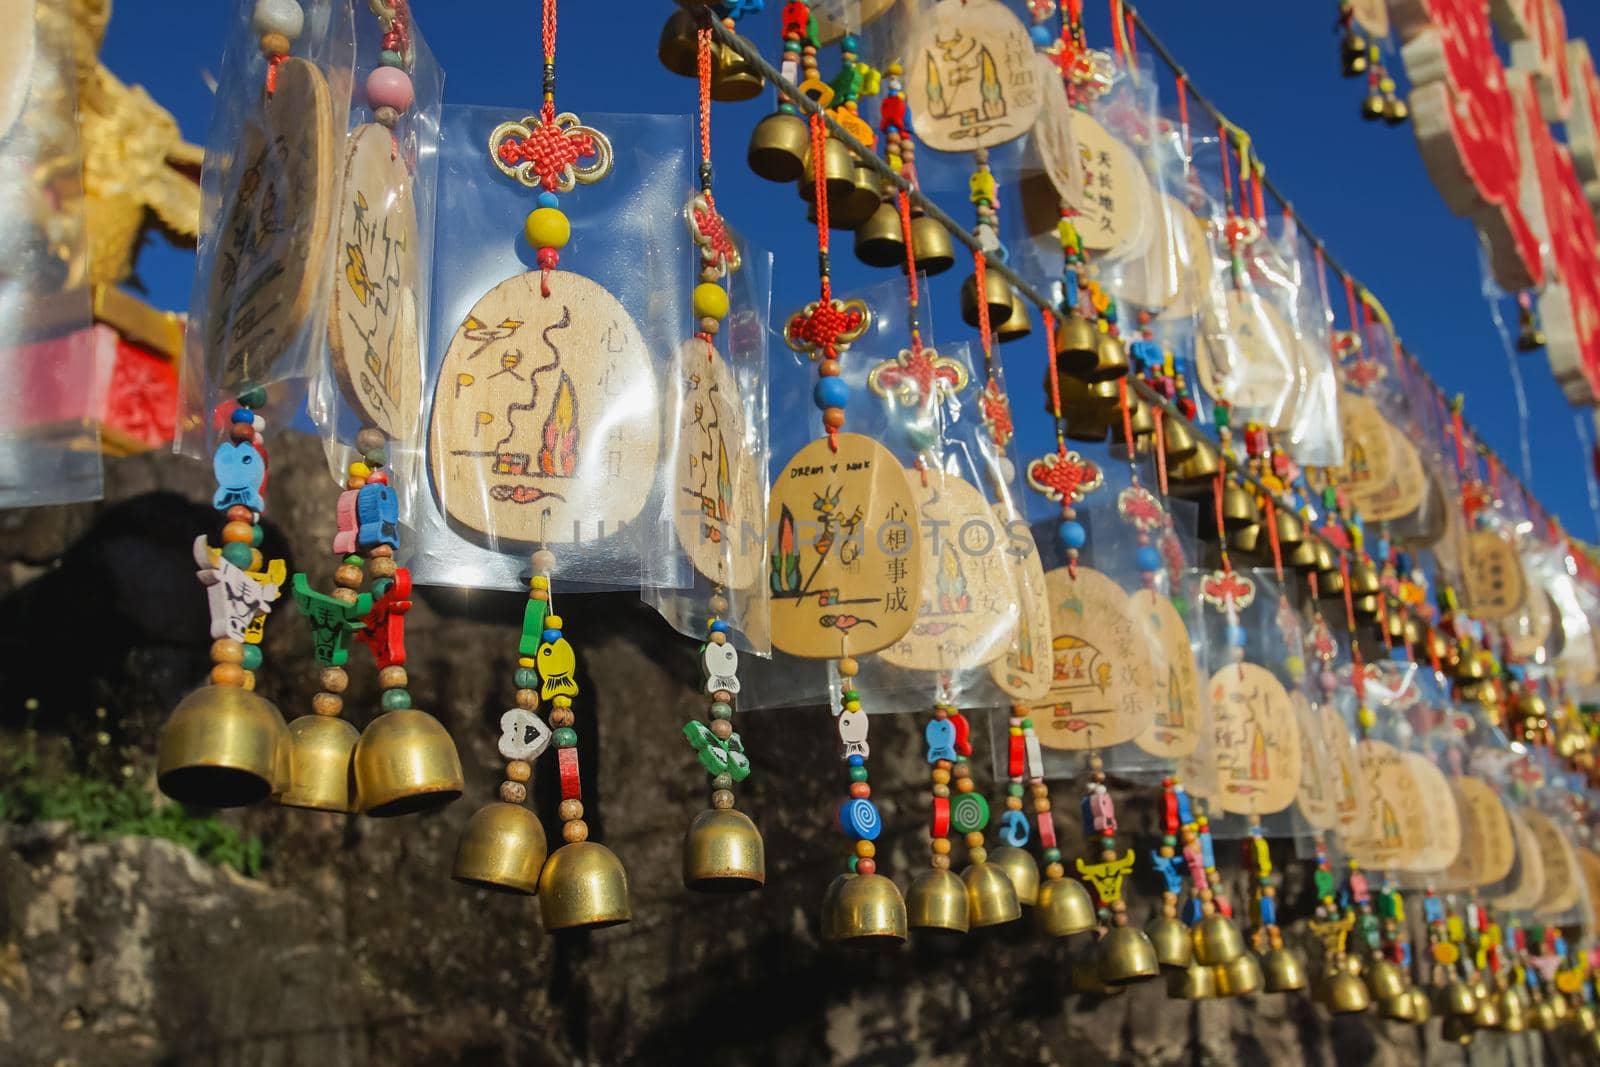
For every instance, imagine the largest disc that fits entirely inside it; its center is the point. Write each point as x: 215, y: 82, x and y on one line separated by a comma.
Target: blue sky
x: 1271, y: 66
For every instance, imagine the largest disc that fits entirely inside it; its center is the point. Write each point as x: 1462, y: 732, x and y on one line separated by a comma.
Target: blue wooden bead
x: 1148, y: 558
x: 831, y: 393
x: 857, y: 761
x: 1236, y: 635
x: 1041, y: 34
x: 720, y: 627
x: 549, y: 200
x: 242, y: 415
x: 858, y: 817
x: 552, y: 636
x: 1072, y: 533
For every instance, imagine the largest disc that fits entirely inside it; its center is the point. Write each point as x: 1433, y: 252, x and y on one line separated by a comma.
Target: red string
x: 819, y: 177
x: 1133, y: 36
x: 1261, y: 208
x: 1227, y: 170
x: 903, y: 199
x: 1183, y: 114
x: 1216, y: 496
x: 1161, y: 449
x: 272, y: 73
x: 548, y: 112
x: 1055, y: 378
x: 980, y: 270
x: 1272, y: 536
x: 705, y: 99
x: 1127, y: 416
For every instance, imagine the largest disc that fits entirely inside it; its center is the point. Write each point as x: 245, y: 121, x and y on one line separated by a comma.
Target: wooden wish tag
x: 1256, y: 740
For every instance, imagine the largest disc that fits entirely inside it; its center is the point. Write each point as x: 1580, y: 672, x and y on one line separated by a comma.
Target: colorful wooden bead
x: 237, y: 598
x: 378, y: 515
x: 853, y: 733
x: 346, y: 522
x: 941, y: 820
x: 859, y: 818
x: 523, y: 735
x: 240, y: 472
x: 720, y: 663
x: 547, y: 227
x: 710, y: 301
x: 332, y: 620
x: 969, y: 813
x: 567, y: 762
x: 941, y: 737
x: 384, y: 623
x: 1014, y: 828
x: 278, y: 16
x: 390, y: 87
x: 557, y: 663
x: 513, y: 792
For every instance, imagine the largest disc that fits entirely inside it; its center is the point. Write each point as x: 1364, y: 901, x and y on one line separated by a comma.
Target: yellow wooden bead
x: 1367, y: 718
x: 710, y: 301
x: 359, y: 469
x: 539, y: 581
x: 547, y: 227
x: 552, y: 622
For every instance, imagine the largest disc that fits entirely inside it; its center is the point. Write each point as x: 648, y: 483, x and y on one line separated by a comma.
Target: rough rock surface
x: 355, y: 947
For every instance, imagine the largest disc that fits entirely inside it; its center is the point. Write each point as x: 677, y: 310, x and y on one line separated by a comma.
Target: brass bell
x: 1283, y: 970
x: 1395, y: 111
x: 866, y: 193
x: 1587, y: 1019
x: 868, y: 910
x: 830, y: 898
x: 1246, y: 540
x: 990, y: 898
x: 1330, y: 585
x: 1217, y: 940
x: 1178, y: 440
x: 1343, y: 993
x: 1543, y: 1017
x: 1021, y: 869
x: 1239, y: 507
x: 1353, y: 55
x: 723, y: 852
x: 1111, y: 360
x: 1399, y: 1008
x: 583, y: 884
x: 405, y: 762
x: 1127, y: 956
x: 320, y: 773
x: 679, y: 47
x: 1140, y: 421
x: 1240, y: 977
x: 223, y: 747
x: 1086, y: 977
x: 734, y: 78
x: 1364, y: 579
x: 1384, y: 980
x: 779, y: 147
x: 1365, y: 608
x: 502, y: 848
x: 1194, y: 982
x: 1457, y: 1030
x: 1291, y: 531
x: 1457, y: 999
x: 1089, y: 427
x: 931, y: 246
x: 997, y: 293
x: 1594, y: 1044
x: 1488, y: 1015
x: 1196, y: 475
x: 1017, y: 324
x: 1077, y: 345
x: 1326, y: 563
x: 937, y: 900
x: 1173, y: 944
x: 1421, y: 1006
x: 838, y: 175
x: 1098, y: 398
x: 1304, y: 557
x: 1513, y: 1013
x: 880, y: 242
x: 1372, y: 106
x: 1063, y: 908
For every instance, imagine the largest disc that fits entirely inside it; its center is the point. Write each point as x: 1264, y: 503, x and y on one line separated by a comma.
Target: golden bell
x: 1456, y: 999
x: 1291, y: 531
x: 779, y: 147
x: 1304, y: 556
x: 1022, y: 871
x: 1488, y: 1014
x: 1543, y: 1016
x: 1326, y: 563
x: 502, y: 848
x: 1421, y: 1006
x: 1194, y: 982
x: 222, y: 747
x: 1239, y: 507
x: 1217, y: 940
x: 583, y: 884
x: 1017, y: 325
x: 320, y: 772
x: 1099, y: 398
x: 1077, y: 345
x: 1586, y: 1019
x: 1283, y: 970
x: 937, y: 900
x: 1385, y: 980
x: 1239, y: 978
x: 1178, y: 440
x: 1063, y: 908
x: 1457, y: 1030
x: 1395, y: 110
x: 997, y: 293
x: 1086, y: 977
x: 1140, y: 421
x: 1330, y: 585
x: 1365, y: 608
x: 723, y: 853
x: 1246, y: 539
x: 733, y: 77
x: 1372, y: 106
x: 1560, y: 1008
x: 1594, y: 1044
x: 880, y: 242
x: 861, y: 204
x: 1513, y: 1014
x: 1090, y: 427
x: 1173, y: 944
x: 830, y: 898
x: 868, y: 910
x: 1399, y: 1008
x: 1126, y: 956
x: 1196, y: 475
x: 1343, y: 993
x: 1110, y: 361
x: 931, y: 246
x: 990, y: 898
x: 1364, y: 579
x: 679, y: 47
x: 405, y: 762
x: 838, y: 175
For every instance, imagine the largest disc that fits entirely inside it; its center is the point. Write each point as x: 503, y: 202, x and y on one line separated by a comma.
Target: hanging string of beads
x: 238, y: 622
x: 1267, y: 936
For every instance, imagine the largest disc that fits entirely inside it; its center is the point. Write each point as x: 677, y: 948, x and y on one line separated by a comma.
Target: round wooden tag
x: 1589, y: 867
x: 966, y: 612
x: 1484, y: 823
x: 1492, y: 575
x: 1561, y: 877
x: 1252, y: 360
x: 1052, y: 133
x: 1527, y: 875
x: 544, y: 414
x: 1437, y: 823
x: 1529, y: 627
x: 971, y: 78
x: 1026, y: 670
x: 1318, y: 768
x: 1175, y: 730
x: 1396, y: 809
x: 1257, y: 740
x: 1372, y: 16
x: 16, y: 59
x: 1368, y: 456
x: 717, y: 497
x: 1114, y: 201
x: 1186, y: 236
x: 845, y: 556
x: 1350, y: 807
x: 840, y: 17
x: 1102, y: 691
x: 271, y: 249
x: 1175, y: 270
x: 372, y: 327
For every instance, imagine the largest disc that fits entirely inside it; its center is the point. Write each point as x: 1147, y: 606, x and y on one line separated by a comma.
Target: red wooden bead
x: 860, y: 789
x: 941, y: 816
x: 567, y: 759
x: 963, y: 734
x: 240, y: 513
x: 1014, y: 757
x: 1047, y: 830
x: 866, y: 866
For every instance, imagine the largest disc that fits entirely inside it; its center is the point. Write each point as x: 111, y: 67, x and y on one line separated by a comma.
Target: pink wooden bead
x: 389, y: 87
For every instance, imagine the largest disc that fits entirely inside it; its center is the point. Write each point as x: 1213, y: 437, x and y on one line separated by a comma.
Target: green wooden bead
x: 851, y: 694
x: 566, y: 737
x: 390, y: 58
x: 853, y: 864
x: 526, y: 678
x: 354, y: 560
x: 237, y: 553
x: 257, y: 534
x: 396, y: 700
x: 1052, y: 855
x: 252, y: 657
x: 375, y: 458
x: 721, y: 710
x: 858, y: 774
x: 1015, y: 789
x: 253, y: 398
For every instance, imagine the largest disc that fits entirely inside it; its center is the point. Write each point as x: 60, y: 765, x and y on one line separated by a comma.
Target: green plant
x: 99, y: 810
